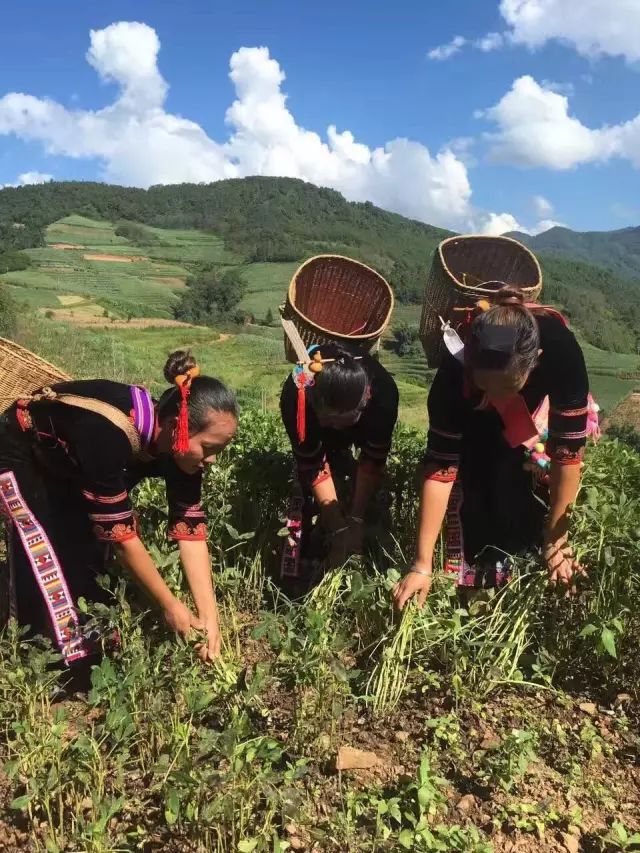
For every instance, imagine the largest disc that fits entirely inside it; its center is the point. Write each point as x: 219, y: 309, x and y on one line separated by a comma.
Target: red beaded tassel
x: 301, y: 421
x: 181, y: 432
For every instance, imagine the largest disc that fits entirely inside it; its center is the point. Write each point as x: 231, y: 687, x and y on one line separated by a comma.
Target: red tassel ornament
x: 302, y: 380
x: 181, y: 432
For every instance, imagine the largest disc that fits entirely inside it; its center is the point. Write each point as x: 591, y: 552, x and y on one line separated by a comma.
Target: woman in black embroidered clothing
x: 68, y: 460
x: 487, y: 410
x: 346, y: 401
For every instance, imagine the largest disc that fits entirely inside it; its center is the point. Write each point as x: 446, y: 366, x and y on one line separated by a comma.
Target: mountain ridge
x: 264, y: 219
x: 618, y: 250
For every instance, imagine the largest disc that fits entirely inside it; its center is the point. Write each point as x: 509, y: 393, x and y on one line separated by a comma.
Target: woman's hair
x: 206, y: 393
x: 341, y: 385
x: 506, y: 336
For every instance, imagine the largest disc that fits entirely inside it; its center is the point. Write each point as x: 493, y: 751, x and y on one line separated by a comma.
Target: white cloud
x: 496, y: 224
x: 592, y: 27
x: 28, y: 178
x: 34, y: 178
x: 534, y: 128
x: 567, y: 89
x: 542, y: 205
x: 492, y: 41
x: 139, y: 143
x: 545, y: 225
x: 487, y: 43
x: 126, y: 53
x: 628, y: 212
x: 446, y: 51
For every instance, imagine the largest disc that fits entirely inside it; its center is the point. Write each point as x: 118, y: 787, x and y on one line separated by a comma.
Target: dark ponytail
x: 517, y: 352
x: 206, y: 393
x: 342, y: 384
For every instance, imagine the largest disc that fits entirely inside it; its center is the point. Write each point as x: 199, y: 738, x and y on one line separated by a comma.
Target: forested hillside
x: 284, y: 220
x: 617, y: 250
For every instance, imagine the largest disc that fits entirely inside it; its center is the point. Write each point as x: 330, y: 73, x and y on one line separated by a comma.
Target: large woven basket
x: 22, y: 373
x: 466, y: 269
x: 332, y: 298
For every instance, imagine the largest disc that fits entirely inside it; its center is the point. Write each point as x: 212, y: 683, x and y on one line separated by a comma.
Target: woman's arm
x: 568, y: 412
x: 196, y: 562
x: 324, y: 492
x: 433, y: 507
x: 368, y: 477
x: 564, y: 482
x: 135, y: 557
x: 441, y: 464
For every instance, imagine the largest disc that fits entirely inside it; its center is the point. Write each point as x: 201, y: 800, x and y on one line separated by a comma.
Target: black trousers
x: 54, y: 559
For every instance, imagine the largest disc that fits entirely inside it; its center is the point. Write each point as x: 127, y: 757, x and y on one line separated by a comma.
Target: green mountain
x: 264, y: 221
x: 617, y: 250
x: 261, y: 219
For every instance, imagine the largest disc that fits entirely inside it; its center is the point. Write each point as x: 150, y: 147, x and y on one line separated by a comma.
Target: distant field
x: 104, y: 278
x: 86, y: 258
x: 267, y: 286
x: 252, y: 361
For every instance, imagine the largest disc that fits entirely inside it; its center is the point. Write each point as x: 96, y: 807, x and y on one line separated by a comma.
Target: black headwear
x: 493, y: 346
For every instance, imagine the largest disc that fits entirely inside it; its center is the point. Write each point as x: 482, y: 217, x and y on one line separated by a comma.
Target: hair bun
x: 178, y: 363
x: 509, y: 294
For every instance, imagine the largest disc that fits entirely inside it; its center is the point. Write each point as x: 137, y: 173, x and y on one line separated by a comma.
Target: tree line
x: 284, y: 219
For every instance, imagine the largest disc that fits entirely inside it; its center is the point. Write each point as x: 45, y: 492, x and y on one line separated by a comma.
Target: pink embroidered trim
x: 46, y: 569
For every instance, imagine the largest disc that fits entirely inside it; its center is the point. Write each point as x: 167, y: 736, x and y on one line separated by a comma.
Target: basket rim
x: 482, y: 290
x: 291, y: 293
x: 23, y: 351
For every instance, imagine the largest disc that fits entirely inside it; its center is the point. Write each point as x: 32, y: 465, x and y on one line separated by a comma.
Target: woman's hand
x: 210, y: 650
x: 180, y: 619
x: 339, y: 548
x: 345, y: 542
x: 561, y: 564
x: 416, y: 582
x: 356, y: 534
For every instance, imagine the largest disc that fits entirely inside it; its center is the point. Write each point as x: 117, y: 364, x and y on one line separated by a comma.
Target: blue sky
x: 542, y: 128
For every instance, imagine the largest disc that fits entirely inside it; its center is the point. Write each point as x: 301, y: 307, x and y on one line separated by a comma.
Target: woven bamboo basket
x: 22, y: 373
x: 337, y: 299
x: 466, y: 269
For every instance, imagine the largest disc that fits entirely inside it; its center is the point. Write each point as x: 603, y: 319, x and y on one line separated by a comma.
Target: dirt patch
x: 170, y: 280
x: 63, y: 268
x: 88, y: 317
x: 224, y: 336
x: 69, y: 226
x: 68, y: 299
x: 627, y: 413
x: 146, y: 323
x: 65, y: 246
x: 118, y: 259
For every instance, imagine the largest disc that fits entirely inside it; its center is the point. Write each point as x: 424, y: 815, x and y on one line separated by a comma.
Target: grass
x: 267, y: 286
x: 148, y: 288
x: 251, y: 361
x: 141, y: 288
x: 494, y: 727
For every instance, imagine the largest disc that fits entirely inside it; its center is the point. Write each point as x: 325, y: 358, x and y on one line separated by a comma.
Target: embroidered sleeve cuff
x: 563, y: 455
x: 437, y: 470
x: 187, y: 529
x: 322, y: 475
x: 118, y: 532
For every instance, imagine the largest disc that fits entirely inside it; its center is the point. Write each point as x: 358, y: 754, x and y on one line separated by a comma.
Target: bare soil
x: 118, y: 259
x: 627, y: 413
x: 170, y: 280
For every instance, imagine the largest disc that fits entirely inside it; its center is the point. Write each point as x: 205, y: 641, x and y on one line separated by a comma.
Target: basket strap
x: 98, y: 407
x: 294, y: 336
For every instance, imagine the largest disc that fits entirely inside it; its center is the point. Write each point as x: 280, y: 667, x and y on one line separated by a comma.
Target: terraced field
x: 86, y: 258
x: 115, y: 292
